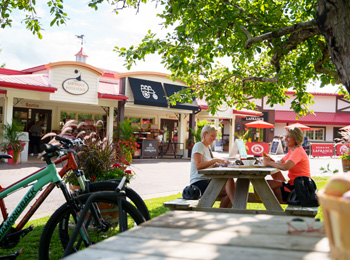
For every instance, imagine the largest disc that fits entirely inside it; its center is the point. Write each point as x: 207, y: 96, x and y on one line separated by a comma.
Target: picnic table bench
x: 245, y: 176
x: 211, y: 235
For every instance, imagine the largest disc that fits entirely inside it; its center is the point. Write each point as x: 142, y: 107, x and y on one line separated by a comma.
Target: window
x: 66, y: 115
x: 315, y: 134
x: 82, y: 117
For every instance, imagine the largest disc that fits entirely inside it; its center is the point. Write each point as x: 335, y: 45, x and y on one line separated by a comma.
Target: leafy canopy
x: 226, y: 51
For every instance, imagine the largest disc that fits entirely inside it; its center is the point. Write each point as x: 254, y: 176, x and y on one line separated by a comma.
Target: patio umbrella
x: 259, y: 124
x: 301, y: 126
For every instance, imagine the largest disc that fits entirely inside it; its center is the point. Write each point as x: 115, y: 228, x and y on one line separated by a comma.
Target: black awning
x: 171, y: 90
x: 149, y: 93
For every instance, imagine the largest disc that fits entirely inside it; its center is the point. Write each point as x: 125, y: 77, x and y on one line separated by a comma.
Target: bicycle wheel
x: 61, y: 225
x: 131, y: 195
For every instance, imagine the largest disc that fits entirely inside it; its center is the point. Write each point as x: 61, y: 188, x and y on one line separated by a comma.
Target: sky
x: 102, y: 30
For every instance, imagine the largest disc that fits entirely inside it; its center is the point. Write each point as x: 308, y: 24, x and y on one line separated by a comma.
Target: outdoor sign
x: 238, y: 148
x: 149, y: 148
x: 276, y: 147
x: 75, y: 86
x: 341, y: 149
x: 257, y: 148
x: 322, y: 150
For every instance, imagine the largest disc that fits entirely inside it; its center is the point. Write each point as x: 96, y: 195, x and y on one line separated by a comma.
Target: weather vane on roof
x: 81, y: 37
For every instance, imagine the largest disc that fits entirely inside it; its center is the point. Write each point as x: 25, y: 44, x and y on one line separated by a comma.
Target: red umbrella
x: 259, y: 124
x: 302, y: 127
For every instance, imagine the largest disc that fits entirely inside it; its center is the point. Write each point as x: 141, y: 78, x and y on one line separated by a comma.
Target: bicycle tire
x: 131, y: 194
x: 57, y: 231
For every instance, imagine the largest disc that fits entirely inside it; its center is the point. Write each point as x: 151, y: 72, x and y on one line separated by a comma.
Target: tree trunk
x: 333, y: 19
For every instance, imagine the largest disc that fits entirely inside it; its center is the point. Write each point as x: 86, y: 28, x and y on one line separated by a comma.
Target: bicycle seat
x: 5, y: 156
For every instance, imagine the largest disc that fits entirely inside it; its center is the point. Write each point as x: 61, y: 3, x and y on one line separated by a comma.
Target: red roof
x: 33, y: 82
x: 81, y: 53
x: 4, y: 71
x: 321, y: 118
x: 243, y: 113
x: 109, y: 90
x: 316, y: 93
x: 202, y: 104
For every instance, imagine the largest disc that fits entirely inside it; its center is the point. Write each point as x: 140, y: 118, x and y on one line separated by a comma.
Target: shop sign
x: 253, y: 118
x: 75, y: 86
x: 32, y: 105
x: 257, y: 148
x: 341, y: 149
x: 322, y: 149
x: 150, y: 148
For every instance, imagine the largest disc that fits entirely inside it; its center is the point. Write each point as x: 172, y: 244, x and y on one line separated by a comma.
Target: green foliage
x: 12, y: 131
x: 125, y: 130
x: 197, y: 132
x: 328, y: 170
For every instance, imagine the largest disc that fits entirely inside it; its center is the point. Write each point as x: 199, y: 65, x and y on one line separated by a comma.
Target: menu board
x: 276, y: 147
x: 149, y: 148
x: 238, y: 148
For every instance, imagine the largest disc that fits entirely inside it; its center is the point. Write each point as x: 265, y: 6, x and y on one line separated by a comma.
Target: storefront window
x: 66, y: 115
x: 82, y: 117
x: 147, y: 122
x: 135, y: 121
x: 98, y: 117
x: 315, y: 134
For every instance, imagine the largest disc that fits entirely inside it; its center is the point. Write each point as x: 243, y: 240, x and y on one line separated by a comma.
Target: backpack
x: 304, y: 192
x: 191, y: 192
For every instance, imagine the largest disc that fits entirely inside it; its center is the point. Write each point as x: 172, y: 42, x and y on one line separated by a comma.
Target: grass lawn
x: 30, y: 243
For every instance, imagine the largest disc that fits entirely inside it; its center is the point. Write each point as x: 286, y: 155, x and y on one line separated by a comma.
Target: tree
x: 232, y: 50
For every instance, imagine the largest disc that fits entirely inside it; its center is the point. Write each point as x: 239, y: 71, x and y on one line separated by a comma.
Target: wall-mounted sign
x: 75, y: 86
x: 32, y: 105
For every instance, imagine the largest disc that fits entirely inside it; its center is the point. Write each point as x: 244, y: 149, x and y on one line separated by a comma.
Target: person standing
x: 35, y: 132
x: 202, y: 158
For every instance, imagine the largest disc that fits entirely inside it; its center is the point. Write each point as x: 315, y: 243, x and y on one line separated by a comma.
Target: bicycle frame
x: 69, y: 165
x: 42, y: 178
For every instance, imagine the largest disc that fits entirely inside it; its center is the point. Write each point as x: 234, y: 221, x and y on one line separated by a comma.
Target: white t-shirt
x: 204, y: 151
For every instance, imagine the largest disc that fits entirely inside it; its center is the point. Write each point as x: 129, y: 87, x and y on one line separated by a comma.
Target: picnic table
x: 245, y: 175
x: 211, y: 235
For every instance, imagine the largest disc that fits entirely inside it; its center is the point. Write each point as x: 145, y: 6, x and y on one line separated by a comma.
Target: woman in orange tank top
x: 296, y: 162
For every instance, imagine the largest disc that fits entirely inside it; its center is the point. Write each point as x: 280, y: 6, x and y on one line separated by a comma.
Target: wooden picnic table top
x: 241, y: 170
x: 209, y: 235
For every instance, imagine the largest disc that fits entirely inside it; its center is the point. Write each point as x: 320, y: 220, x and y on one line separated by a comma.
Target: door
x: 44, y: 116
x: 169, y: 127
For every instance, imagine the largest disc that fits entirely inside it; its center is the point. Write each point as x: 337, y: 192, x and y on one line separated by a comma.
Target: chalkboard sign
x: 149, y: 148
x: 276, y: 147
x: 238, y: 148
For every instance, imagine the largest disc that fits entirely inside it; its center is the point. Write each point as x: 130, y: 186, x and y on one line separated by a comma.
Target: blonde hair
x: 208, y: 129
x: 297, y: 135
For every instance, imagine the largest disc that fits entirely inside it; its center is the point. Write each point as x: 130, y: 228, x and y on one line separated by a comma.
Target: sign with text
x: 238, y: 148
x: 276, y: 147
x: 150, y: 148
x: 322, y: 150
x: 341, y: 149
x: 257, y: 148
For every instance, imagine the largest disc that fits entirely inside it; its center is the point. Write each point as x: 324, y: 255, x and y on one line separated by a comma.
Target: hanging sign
x: 238, y: 148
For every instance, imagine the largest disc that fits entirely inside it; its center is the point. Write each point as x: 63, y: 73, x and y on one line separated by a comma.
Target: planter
x: 336, y: 213
x: 346, y: 165
x: 15, y: 157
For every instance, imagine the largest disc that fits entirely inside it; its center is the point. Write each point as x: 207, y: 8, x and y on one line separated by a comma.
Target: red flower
x: 117, y: 165
x: 128, y: 171
x: 93, y: 178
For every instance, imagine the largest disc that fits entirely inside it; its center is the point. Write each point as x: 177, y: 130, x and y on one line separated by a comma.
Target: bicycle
x: 10, y: 236
x: 98, y: 224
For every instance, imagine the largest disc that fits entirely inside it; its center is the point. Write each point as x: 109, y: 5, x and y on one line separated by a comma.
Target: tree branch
x: 320, y: 62
x: 278, y: 33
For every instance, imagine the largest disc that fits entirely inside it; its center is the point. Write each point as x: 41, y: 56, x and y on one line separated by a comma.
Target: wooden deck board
x: 211, y: 236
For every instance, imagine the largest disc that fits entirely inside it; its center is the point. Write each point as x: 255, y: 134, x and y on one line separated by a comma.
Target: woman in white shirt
x: 202, y: 158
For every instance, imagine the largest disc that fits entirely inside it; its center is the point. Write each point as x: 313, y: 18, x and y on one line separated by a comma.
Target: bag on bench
x: 191, y: 192
x: 304, y: 192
